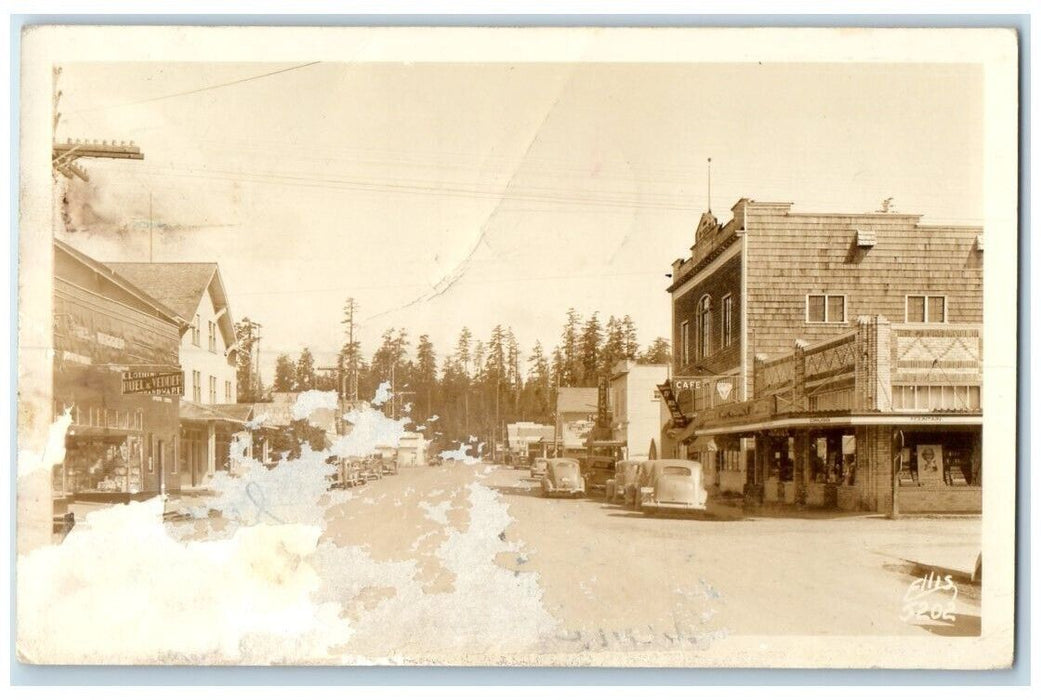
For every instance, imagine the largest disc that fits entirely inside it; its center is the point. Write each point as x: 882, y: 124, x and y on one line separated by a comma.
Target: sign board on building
x: 575, y: 432
x: 602, y: 417
x: 162, y: 383
x: 679, y: 420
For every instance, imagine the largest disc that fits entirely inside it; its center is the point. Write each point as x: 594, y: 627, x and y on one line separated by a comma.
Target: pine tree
x: 462, y: 350
x: 539, y: 384
x: 426, y: 374
x: 631, y: 345
x: 570, y: 367
x: 305, y: 374
x: 657, y: 353
x: 589, y: 351
x: 285, y: 374
x: 614, y: 346
x: 249, y: 389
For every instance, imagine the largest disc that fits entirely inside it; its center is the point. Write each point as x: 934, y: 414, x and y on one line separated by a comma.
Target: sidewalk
x: 957, y: 559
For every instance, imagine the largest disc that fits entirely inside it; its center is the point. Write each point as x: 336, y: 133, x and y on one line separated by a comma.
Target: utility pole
x: 149, y: 227
x: 351, y: 390
x: 65, y: 155
x: 254, y: 325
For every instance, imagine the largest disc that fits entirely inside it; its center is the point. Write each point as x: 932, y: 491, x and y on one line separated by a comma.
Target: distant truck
x: 598, y: 463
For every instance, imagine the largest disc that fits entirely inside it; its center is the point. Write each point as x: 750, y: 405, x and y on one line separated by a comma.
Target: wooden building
x: 830, y: 349
x: 208, y: 354
x: 120, y: 445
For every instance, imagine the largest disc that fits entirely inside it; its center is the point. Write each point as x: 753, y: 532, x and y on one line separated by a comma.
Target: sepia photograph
x: 517, y: 347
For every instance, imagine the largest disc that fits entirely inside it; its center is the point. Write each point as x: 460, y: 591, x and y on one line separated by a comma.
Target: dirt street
x: 459, y: 557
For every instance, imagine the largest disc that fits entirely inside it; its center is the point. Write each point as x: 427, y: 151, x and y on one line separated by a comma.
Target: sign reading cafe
x: 724, y: 384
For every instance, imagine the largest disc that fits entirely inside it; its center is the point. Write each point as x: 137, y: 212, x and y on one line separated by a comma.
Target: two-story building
x: 209, y: 415
x: 636, y: 406
x: 121, y: 444
x: 831, y: 349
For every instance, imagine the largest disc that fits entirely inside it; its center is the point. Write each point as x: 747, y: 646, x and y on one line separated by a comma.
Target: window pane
x: 837, y: 309
x: 974, y: 397
x: 936, y: 310
x: 915, y: 309
x: 815, y: 308
x: 935, y: 398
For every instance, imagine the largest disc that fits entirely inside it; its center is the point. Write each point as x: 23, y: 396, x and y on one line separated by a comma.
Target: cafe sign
x: 155, y: 383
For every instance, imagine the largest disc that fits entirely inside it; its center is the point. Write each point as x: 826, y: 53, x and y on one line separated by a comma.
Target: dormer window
x: 866, y: 239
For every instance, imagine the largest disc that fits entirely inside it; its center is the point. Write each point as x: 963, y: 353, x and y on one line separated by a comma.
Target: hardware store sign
x: 158, y: 383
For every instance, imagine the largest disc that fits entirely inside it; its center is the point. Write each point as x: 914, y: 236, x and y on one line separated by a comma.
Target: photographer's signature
x: 930, y: 597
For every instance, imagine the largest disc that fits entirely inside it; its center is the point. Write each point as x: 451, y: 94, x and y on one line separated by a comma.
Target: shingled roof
x: 181, y: 286
x: 178, y: 285
x: 572, y: 399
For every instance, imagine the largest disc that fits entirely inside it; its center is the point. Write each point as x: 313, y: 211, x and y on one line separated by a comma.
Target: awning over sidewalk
x: 192, y: 412
x: 714, y: 443
x: 809, y: 420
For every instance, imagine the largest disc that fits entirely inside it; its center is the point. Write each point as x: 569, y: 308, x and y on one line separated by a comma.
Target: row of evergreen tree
x: 477, y: 387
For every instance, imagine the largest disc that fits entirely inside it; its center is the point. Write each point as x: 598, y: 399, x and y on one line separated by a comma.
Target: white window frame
x: 227, y: 391
x: 727, y: 313
x: 703, y: 327
x: 196, y: 331
x: 845, y: 308
x: 212, y: 340
x: 925, y: 307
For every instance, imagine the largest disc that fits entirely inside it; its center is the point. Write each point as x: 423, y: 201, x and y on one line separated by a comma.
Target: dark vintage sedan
x: 538, y: 467
x: 671, y: 486
x: 623, y: 485
x: 563, y: 478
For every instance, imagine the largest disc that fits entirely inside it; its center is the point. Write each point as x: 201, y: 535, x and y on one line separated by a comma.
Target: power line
x: 196, y: 90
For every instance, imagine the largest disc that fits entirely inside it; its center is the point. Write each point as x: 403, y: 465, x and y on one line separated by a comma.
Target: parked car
x: 371, y: 469
x: 389, y: 465
x: 563, y: 478
x: 671, y: 486
x: 598, y: 462
x: 538, y: 467
x: 623, y: 485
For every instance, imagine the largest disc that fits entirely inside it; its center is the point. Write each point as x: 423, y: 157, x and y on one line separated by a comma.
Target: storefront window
x: 833, y: 458
x: 102, y: 464
x: 938, y: 460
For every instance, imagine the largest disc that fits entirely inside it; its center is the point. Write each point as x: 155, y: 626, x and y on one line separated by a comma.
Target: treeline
x: 479, y: 385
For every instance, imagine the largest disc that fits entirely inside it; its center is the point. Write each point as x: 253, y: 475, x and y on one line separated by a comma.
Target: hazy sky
x: 460, y: 194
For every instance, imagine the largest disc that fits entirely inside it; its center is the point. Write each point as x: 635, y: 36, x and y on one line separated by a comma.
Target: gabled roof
x: 178, y: 285
x: 123, y: 282
x: 572, y: 399
x: 181, y: 286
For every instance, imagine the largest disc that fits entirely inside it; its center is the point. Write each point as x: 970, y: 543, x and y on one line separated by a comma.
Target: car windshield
x: 565, y: 468
x: 676, y: 471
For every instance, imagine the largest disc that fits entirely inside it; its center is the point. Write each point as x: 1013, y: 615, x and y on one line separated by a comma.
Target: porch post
x: 211, y: 447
